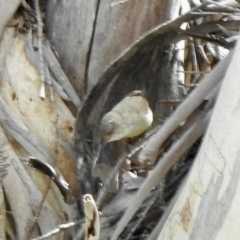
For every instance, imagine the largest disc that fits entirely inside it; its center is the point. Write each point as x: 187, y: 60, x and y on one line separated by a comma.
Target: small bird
x: 129, y: 118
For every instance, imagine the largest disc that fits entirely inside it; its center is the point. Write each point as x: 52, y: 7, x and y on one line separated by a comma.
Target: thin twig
x: 37, y: 212
x: 143, y: 214
x: 59, y: 228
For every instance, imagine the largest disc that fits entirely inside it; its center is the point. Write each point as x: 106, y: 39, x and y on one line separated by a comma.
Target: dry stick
x: 3, y: 163
x: 59, y: 228
x: 159, y: 226
x: 143, y: 214
x: 50, y: 84
x: 210, y: 99
x: 38, y: 211
x: 3, y: 220
x: 223, y: 5
x: 194, y: 60
x: 40, y: 48
x: 95, y: 159
x: 150, y: 151
x: 177, y: 150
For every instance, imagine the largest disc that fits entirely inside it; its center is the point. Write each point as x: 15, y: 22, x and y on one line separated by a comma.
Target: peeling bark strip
x: 3, y: 164
x: 42, y: 90
x: 92, y: 225
x: 48, y: 170
x: 89, y: 53
x: 52, y: 69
